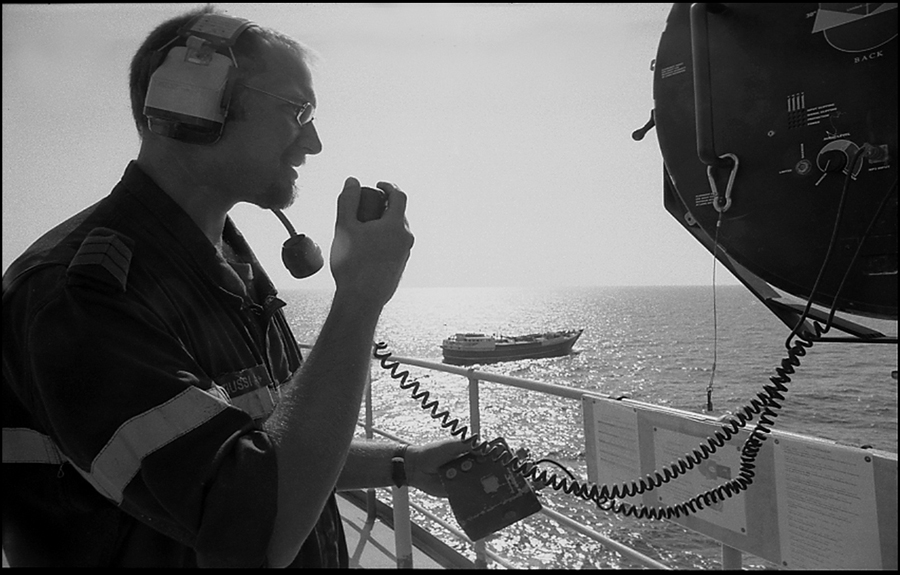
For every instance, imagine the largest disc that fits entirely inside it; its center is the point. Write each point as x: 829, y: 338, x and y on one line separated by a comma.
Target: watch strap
x: 398, y: 467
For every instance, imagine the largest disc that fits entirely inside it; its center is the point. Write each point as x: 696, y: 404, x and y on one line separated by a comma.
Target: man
x: 155, y: 409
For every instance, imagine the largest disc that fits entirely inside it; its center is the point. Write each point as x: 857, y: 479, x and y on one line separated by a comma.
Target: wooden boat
x: 470, y: 348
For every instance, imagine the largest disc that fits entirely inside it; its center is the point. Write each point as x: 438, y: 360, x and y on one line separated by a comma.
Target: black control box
x: 485, y: 495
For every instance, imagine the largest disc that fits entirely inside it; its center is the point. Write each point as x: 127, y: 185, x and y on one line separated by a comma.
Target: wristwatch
x: 398, y: 466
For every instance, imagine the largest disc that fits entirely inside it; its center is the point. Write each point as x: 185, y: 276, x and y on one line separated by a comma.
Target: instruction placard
x: 810, y: 504
x: 826, y: 505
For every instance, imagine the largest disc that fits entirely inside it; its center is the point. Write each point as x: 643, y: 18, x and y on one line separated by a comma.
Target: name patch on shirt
x: 238, y: 383
x: 250, y: 390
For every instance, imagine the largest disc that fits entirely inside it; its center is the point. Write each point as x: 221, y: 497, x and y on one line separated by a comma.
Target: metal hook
x: 712, y: 184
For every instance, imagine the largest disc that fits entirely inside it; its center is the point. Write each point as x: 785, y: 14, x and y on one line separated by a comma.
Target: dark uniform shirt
x: 138, y: 367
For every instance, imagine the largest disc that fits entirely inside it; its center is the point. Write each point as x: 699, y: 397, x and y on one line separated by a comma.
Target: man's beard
x: 278, y: 197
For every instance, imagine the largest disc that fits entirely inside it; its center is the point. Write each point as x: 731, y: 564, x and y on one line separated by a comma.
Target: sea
x: 675, y: 346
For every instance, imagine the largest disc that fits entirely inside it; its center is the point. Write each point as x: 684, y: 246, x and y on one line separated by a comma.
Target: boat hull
x: 510, y: 352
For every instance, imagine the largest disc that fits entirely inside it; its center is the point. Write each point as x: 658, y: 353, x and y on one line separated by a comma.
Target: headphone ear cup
x: 189, y: 91
x: 187, y: 100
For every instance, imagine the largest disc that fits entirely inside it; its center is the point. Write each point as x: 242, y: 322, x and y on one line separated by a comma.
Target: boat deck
x: 377, y: 550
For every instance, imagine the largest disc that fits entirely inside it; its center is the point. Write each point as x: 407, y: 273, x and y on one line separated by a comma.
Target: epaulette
x: 102, y: 261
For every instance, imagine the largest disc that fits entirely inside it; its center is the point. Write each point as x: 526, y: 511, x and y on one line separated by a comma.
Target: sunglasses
x: 305, y: 112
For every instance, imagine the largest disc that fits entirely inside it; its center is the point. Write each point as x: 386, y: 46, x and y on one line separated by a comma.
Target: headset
x: 190, y: 92
x: 188, y: 98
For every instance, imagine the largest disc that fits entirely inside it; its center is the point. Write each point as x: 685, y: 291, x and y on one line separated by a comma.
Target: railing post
x: 474, y: 409
x: 731, y: 558
x: 370, y: 419
x: 475, y: 426
x: 371, y: 514
x: 402, y: 528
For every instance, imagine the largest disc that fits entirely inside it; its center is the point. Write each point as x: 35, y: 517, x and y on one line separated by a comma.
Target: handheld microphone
x: 372, y: 203
x: 302, y: 256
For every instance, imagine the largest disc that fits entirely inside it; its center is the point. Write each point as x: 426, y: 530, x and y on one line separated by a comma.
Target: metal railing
x: 475, y: 377
x: 400, y: 497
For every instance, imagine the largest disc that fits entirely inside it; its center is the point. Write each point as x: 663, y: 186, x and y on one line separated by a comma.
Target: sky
x: 507, y: 125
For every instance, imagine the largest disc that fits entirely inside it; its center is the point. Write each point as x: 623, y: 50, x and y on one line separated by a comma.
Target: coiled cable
x: 605, y: 496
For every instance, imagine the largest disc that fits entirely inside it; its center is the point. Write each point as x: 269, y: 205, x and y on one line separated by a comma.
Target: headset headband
x: 219, y: 30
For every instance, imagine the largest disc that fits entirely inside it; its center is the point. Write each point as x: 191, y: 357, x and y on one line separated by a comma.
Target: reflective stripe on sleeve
x: 120, y: 459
